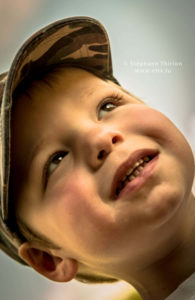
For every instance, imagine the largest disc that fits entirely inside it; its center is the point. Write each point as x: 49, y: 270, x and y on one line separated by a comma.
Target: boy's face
x: 73, y: 143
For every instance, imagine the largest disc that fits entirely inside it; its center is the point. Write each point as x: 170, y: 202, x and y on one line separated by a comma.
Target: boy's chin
x: 165, y: 205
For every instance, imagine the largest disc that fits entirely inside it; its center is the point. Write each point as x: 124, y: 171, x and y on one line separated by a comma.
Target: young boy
x: 95, y: 184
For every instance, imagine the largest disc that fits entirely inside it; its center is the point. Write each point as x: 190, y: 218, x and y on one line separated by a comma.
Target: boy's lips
x: 129, y: 166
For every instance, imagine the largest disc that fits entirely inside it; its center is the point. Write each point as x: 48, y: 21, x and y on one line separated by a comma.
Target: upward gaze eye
x: 108, y: 105
x: 53, y: 163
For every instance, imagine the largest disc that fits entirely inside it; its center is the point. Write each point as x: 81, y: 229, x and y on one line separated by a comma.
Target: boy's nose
x: 98, y: 144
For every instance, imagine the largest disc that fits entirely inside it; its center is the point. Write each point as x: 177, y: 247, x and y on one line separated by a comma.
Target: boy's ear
x: 48, y: 264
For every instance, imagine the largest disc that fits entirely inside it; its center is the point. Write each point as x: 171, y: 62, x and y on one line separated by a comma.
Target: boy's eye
x: 53, y: 163
x: 107, y: 105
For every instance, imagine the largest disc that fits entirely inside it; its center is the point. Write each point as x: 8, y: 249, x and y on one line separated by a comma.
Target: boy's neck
x: 159, y: 280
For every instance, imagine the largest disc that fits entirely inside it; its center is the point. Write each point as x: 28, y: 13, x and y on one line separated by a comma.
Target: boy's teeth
x: 137, y: 164
x: 137, y: 167
x: 128, y: 173
x: 136, y: 172
x: 140, y: 168
x: 146, y: 158
x: 131, y: 177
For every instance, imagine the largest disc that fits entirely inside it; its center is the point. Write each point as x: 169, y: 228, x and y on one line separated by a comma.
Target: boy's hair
x: 80, y: 42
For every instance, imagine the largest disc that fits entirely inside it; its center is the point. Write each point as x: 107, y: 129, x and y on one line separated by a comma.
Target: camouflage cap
x: 77, y: 41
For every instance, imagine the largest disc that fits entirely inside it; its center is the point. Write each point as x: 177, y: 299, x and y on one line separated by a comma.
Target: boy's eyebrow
x: 37, y: 148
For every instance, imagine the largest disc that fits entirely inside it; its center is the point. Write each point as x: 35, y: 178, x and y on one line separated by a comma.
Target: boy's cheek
x: 144, y: 120
x: 140, y: 119
x: 76, y: 209
x: 73, y: 200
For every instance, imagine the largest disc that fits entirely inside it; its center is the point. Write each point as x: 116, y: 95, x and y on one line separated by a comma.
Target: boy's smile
x: 133, y: 173
x: 97, y: 171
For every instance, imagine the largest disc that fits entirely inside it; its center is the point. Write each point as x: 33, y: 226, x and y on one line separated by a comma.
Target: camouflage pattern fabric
x: 78, y: 41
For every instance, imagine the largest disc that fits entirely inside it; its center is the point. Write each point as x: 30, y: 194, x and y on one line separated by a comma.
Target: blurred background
x: 153, y: 46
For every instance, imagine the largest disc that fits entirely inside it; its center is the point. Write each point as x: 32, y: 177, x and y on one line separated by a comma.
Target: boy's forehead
x: 74, y: 83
